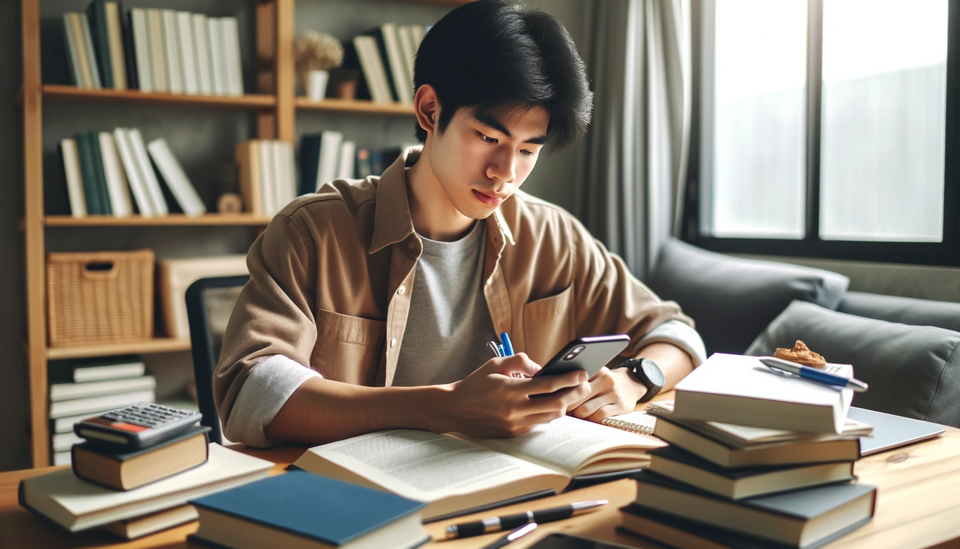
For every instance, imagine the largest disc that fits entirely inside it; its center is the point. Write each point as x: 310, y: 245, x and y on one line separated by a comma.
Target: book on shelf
x: 76, y: 504
x: 732, y: 446
x: 116, y: 180
x: 372, y: 67
x: 134, y: 173
x: 89, y: 160
x: 61, y: 458
x: 171, y: 51
x: 62, y: 442
x: 115, y: 39
x: 397, y: 78
x: 93, y: 405
x: 351, y: 62
x: 73, y: 177
x: 109, y: 369
x: 188, y: 53
x: 72, y: 42
x: 176, y: 179
x: 157, y: 202
x: 740, y: 390
x: 86, y: 55
x: 346, y: 166
x: 230, y: 46
x: 303, y: 510
x: 201, y: 42
x: 70, y: 391
x: 218, y: 75
x: 100, y: 39
x: 800, y: 518
x: 140, y: 37
x: 743, y: 483
x: 267, y: 175
x: 99, y: 173
x: 157, y: 53
x: 405, y: 34
x: 319, y: 155
x: 126, y: 470
x: 458, y: 474
x: 137, y: 527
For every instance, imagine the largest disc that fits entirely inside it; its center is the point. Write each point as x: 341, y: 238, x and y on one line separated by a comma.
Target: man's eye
x: 527, y: 153
x: 486, y: 139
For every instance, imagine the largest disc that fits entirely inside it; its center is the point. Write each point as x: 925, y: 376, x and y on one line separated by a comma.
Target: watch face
x: 653, y: 373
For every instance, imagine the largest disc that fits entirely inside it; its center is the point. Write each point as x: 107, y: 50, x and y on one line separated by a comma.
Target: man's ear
x: 427, y: 108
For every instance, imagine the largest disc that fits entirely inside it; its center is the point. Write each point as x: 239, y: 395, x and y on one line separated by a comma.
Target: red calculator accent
x: 129, y: 427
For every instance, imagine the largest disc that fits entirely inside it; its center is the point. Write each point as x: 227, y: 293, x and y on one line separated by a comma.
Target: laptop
x: 890, y: 431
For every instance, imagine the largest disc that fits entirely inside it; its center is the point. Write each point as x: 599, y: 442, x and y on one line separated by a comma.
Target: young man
x: 370, y: 303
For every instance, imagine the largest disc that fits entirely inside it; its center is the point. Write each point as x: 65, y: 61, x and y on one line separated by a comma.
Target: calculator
x: 137, y: 426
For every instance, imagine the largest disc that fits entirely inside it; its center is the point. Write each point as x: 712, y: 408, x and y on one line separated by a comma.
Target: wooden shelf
x: 172, y: 220
x: 353, y: 106
x: 54, y: 92
x: 150, y: 346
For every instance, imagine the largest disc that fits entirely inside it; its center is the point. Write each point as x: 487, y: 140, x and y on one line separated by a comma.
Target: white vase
x: 315, y: 84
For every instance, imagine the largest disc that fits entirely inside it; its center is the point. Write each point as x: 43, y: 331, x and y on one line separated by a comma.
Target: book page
x: 418, y: 464
x: 568, y: 444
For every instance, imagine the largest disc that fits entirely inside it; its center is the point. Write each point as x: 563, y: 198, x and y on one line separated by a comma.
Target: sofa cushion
x: 913, y: 371
x: 733, y: 299
x: 907, y: 310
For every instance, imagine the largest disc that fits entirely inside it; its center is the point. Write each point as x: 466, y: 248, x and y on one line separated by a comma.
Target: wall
x: 203, y: 142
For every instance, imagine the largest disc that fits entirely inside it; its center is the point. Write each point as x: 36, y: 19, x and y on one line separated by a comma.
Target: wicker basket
x: 103, y: 297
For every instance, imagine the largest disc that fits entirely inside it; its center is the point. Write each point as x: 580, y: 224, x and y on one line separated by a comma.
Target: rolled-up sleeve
x: 274, y: 316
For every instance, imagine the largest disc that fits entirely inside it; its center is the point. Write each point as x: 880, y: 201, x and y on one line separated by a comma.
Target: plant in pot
x: 316, y: 54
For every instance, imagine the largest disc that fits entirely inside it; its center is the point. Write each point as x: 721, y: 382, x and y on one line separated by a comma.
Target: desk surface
x: 918, y: 506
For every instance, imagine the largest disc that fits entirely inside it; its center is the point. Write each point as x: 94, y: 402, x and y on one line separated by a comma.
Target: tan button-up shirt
x: 330, y: 282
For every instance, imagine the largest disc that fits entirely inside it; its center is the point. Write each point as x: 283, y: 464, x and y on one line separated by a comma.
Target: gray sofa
x: 908, y: 350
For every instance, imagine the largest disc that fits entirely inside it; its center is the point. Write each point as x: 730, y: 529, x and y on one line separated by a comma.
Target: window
x: 823, y: 129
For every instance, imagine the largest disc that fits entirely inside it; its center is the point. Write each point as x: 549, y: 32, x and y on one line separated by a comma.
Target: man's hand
x: 612, y: 392
x: 492, y: 402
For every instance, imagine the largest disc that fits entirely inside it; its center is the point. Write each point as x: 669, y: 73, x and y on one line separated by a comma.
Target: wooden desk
x: 918, y: 506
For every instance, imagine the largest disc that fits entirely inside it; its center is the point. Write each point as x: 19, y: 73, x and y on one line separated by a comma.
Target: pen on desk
x: 497, y: 524
x: 814, y: 374
x: 512, y: 536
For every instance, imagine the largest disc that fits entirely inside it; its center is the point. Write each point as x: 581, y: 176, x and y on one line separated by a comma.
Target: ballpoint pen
x: 497, y: 524
x: 507, y: 344
x: 814, y: 374
x: 512, y: 536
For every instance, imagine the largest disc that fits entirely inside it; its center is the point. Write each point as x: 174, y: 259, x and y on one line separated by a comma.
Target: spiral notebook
x: 640, y: 422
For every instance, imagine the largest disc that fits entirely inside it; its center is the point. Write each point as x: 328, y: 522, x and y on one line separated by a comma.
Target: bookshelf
x: 274, y: 112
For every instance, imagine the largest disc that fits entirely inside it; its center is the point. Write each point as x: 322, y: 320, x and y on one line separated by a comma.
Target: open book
x: 457, y: 474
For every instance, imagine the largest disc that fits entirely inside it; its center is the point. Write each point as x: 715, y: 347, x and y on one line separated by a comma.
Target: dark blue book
x: 129, y: 51
x: 302, y: 509
x: 309, y: 162
x: 89, y: 159
x: 673, y: 531
x: 100, y: 174
x: 97, y: 16
x: 801, y: 518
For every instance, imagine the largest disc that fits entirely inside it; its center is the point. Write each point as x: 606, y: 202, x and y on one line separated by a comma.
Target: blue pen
x: 507, y: 345
x: 814, y: 374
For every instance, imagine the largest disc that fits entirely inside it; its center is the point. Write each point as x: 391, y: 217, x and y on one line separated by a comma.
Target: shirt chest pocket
x: 348, y: 347
x: 548, y: 325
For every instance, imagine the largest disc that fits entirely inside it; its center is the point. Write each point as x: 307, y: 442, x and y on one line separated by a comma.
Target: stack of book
x: 326, y: 156
x: 268, y: 175
x: 102, y: 168
x: 150, y: 503
x: 153, y: 50
x: 95, y: 388
x: 386, y: 56
x: 780, y: 472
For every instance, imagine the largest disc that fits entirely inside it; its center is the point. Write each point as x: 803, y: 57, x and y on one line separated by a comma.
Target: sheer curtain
x: 638, y: 57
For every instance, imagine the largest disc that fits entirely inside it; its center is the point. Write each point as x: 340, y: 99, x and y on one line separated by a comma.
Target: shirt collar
x: 392, y: 222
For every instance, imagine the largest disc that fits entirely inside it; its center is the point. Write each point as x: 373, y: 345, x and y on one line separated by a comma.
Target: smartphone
x: 585, y: 353
x: 566, y: 541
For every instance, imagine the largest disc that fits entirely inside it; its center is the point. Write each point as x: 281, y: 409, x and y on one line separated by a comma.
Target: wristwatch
x: 647, y: 373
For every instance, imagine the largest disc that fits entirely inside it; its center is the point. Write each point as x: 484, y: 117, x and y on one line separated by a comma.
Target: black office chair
x: 209, y: 304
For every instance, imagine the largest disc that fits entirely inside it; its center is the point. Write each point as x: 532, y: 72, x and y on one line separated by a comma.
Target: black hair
x: 495, y: 56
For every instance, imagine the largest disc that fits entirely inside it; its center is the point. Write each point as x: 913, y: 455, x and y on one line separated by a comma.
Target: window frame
x: 946, y: 252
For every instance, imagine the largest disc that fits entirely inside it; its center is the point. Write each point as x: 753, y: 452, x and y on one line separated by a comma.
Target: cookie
x: 801, y: 354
